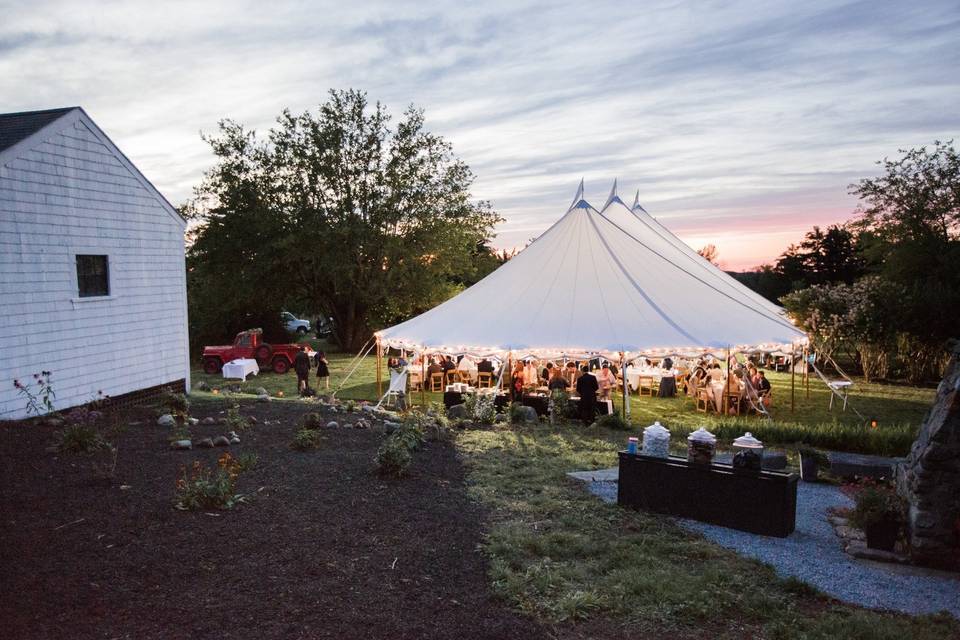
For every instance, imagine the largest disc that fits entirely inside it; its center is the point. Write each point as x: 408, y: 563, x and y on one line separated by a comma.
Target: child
x: 323, y: 371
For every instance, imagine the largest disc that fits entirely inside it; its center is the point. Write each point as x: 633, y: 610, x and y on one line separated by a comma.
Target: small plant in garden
x: 204, y: 488
x: 516, y: 412
x: 875, y: 504
x: 313, y: 421
x: 559, y: 406
x: 350, y: 406
x: 613, y: 421
x: 481, y: 407
x: 176, y: 404
x: 236, y: 421
x: 247, y: 461
x: 306, y: 440
x: 393, y: 458
x: 38, y: 394
x: 79, y: 438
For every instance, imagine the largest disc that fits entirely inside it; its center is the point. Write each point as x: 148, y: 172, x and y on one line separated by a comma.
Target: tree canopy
x: 336, y: 213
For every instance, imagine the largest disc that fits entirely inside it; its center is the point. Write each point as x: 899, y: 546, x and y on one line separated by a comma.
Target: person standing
x: 587, y: 387
x: 301, y: 364
x: 323, y: 369
x: 607, y: 380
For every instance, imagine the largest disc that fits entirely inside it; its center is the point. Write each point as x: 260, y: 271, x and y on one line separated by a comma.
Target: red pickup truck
x: 250, y: 344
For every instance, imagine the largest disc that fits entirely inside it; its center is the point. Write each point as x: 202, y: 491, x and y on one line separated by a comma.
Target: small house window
x: 93, y: 276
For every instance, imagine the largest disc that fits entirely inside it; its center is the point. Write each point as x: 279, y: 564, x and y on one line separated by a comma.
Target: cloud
x: 734, y: 119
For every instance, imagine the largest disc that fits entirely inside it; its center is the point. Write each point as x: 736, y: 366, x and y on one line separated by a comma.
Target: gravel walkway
x: 813, y: 553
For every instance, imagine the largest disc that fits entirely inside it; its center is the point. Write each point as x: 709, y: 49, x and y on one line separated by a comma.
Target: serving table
x: 241, y: 368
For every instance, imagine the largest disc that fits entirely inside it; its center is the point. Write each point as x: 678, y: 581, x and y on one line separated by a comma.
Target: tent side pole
x: 793, y: 378
x: 423, y: 378
x: 623, y: 372
x: 726, y: 384
x: 379, y: 361
x: 806, y: 371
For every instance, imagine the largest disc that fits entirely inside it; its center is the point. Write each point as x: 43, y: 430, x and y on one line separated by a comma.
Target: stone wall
x: 929, y: 479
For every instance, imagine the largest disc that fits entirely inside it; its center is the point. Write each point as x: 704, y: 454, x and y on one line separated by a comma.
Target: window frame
x: 85, y: 276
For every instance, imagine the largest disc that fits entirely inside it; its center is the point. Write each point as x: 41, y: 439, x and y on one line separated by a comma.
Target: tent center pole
x: 423, y: 378
x: 793, y: 378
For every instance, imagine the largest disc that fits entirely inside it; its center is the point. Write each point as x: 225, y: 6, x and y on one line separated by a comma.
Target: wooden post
x: 725, y: 402
x: 379, y: 378
x: 793, y: 378
x: 508, y: 372
x: 423, y: 377
x: 623, y: 372
x: 806, y: 371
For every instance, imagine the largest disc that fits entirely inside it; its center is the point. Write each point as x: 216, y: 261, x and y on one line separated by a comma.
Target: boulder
x: 221, y: 441
x: 529, y: 414
x: 457, y: 411
x: 206, y: 443
x: 333, y: 425
x: 181, y: 445
x: 166, y: 420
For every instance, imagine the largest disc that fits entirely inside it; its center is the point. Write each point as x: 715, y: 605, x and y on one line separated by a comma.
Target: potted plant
x: 879, y: 513
x: 811, y: 460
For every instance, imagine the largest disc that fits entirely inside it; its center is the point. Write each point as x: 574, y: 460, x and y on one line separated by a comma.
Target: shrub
x: 237, y: 421
x: 516, y: 413
x: 350, y: 406
x: 313, y: 421
x: 559, y: 406
x: 876, y: 504
x: 176, y: 404
x: 393, y: 457
x: 205, y: 488
x: 410, y: 433
x: 481, y: 407
x: 79, y: 438
x: 306, y: 440
x: 247, y: 461
x: 613, y: 421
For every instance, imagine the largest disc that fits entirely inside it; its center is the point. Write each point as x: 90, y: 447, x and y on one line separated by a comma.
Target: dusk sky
x: 742, y: 124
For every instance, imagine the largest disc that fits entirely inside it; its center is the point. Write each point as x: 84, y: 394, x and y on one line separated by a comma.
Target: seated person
x: 447, y: 364
x: 557, y: 380
x: 606, y: 380
x: 715, y: 373
x: 434, y: 367
x: 763, y: 385
x: 485, y: 366
x: 547, y: 373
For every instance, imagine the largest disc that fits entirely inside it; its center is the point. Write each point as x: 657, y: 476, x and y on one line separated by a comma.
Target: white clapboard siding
x: 64, y: 191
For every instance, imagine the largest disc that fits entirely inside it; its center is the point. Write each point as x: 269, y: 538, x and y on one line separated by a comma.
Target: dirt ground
x: 325, y: 548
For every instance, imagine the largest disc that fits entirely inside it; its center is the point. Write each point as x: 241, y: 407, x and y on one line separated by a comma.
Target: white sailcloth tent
x: 601, y: 283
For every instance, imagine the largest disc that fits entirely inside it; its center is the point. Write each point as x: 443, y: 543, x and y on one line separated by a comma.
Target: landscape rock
x: 202, y: 386
x: 235, y: 440
x: 221, y: 441
x: 457, y: 411
x: 361, y: 424
x: 260, y: 391
x: 390, y: 427
x: 333, y: 425
x: 209, y: 420
x: 206, y: 443
x: 221, y: 421
x: 166, y: 420
x: 529, y: 414
x: 263, y: 398
x: 252, y: 419
x: 194, y: 420
x: 851, y: 533
x: 181, y: 445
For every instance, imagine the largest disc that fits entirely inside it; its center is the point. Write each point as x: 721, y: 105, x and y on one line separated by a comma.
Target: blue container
x: 632, y: 446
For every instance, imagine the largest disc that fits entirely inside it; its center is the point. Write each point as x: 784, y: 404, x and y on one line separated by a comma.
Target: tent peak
x: 613, y: 197
x: 636, y: 203
x: 578, y: 198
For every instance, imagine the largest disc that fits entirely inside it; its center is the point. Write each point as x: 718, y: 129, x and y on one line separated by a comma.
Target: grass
x: 898, y: 409
x: 560, y: 554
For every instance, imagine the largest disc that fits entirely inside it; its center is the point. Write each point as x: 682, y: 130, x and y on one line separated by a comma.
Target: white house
x: 92, y: 273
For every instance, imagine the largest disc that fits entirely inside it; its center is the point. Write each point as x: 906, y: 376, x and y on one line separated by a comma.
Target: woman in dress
x: 323, y: 369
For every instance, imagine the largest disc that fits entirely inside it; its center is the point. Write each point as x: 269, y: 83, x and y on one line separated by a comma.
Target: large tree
x: 339, y: 213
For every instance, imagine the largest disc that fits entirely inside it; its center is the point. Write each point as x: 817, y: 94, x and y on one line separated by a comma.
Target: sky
x: 742, y: 124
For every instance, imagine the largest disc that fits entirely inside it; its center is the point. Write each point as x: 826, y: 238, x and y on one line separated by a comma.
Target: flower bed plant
x: 206, y: 488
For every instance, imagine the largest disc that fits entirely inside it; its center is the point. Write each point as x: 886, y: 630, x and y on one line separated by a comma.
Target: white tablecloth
x: 241, y: 368
x: 634, y: 374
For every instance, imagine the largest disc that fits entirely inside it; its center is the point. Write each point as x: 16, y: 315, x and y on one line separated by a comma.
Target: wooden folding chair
x: 436, y: 382
x: 484, y: 380
x: 645, y: 386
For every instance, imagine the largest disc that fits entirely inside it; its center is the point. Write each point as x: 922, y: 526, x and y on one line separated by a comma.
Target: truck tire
x: 263, y: 353
x: 212, y: 365
x: 281, y: 365
x: 301, y: 331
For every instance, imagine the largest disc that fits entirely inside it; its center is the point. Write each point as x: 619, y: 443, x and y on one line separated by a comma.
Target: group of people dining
x: 704, y: 379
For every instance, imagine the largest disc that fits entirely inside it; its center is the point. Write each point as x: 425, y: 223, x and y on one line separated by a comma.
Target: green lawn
x: 560, y: 554
x: 898, y: 409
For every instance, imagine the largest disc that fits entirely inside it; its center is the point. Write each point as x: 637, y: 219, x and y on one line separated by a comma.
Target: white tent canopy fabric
x: 600, y: 283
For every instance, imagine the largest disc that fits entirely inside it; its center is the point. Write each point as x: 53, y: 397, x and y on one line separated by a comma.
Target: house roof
x: 15, y: 127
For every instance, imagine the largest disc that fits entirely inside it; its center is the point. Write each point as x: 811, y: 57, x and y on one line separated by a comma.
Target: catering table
x: 241, y: 368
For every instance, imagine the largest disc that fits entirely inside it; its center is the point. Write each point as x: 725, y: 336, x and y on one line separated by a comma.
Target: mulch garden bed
x: 326, y: 548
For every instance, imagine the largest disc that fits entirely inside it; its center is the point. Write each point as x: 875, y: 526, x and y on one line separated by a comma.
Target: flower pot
x: 882, y: 535
x: 808, y: 468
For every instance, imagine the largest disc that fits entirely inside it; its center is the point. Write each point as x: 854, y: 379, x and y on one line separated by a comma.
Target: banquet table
x: 241, y: 368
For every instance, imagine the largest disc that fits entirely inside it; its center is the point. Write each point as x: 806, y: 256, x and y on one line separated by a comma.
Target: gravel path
x: 813, y: 553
